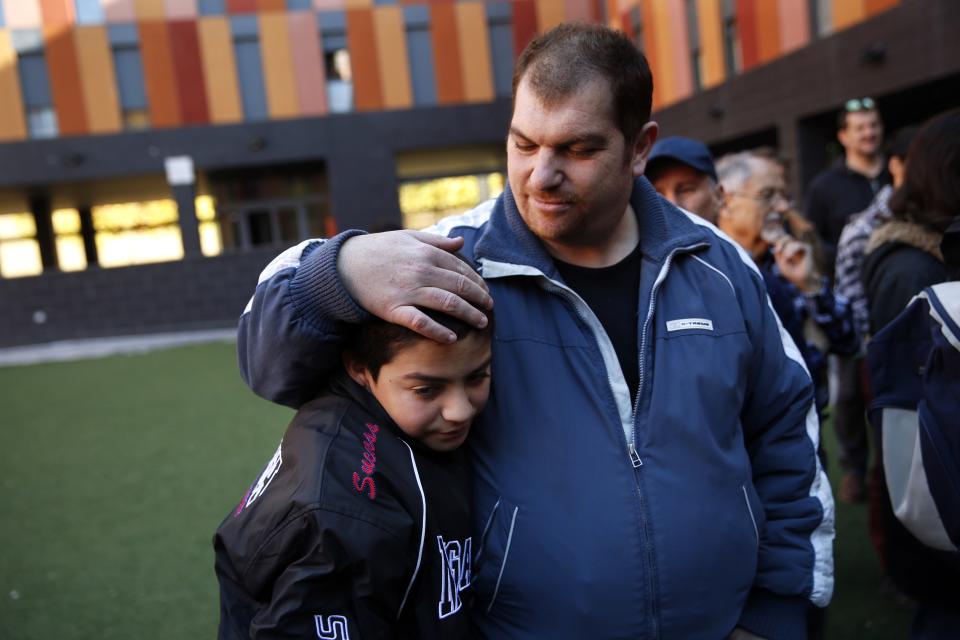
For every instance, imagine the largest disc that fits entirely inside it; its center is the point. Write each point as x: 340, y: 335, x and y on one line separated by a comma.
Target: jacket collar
x: 663, y: 229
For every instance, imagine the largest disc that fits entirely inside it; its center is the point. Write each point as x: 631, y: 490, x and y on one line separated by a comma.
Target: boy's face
x: 433, y: 391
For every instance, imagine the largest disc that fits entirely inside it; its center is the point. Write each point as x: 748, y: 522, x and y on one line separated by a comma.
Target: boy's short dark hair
x: 376, y: 342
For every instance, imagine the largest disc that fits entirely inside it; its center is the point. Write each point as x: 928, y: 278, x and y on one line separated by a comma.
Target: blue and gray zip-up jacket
x: 699, y: 508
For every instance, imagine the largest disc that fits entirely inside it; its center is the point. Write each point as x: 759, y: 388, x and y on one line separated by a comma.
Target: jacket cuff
x: 316, y: 289
x: 775, y: 617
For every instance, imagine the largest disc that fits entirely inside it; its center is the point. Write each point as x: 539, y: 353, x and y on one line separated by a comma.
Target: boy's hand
x: 390, y: 274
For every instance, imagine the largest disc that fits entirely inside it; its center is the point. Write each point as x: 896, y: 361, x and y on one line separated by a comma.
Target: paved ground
x: 103, y: 347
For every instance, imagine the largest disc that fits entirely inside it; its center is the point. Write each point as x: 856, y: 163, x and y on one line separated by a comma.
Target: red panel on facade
x: 747, y: 29
x: 188, y: 66
x: 241, y: 6
x: 64, y: 70
x: 446, y: 53
x: 158, y: 74
x: 362, y: 42
x: 57, y: 12
x: 524, y: 24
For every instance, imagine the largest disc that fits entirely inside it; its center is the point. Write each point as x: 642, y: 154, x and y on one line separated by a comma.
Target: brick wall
x: 200, y: 293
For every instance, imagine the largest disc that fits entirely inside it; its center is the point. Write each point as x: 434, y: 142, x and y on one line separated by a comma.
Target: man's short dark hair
x: 569, y: 56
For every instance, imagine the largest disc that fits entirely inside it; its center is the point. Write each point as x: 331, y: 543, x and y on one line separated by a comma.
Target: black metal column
x: 89, y: 235
x: 46, y: 238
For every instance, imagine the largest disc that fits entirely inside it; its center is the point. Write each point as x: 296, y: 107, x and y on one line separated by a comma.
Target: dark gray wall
x: 198, y: 293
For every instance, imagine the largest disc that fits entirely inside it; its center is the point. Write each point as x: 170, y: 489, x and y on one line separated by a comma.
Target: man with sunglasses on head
x: 833, y: 197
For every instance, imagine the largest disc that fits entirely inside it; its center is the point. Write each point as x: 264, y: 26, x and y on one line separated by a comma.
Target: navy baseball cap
x: 692, y: 153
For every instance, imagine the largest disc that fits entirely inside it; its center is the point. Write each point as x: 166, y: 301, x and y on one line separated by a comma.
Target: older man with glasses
x: 754, y: 212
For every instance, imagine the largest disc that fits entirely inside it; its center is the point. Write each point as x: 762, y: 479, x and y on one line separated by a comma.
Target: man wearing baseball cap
x: 682, y: 171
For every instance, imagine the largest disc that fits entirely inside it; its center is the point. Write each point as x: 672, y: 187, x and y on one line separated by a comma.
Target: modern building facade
x: 155, y: 154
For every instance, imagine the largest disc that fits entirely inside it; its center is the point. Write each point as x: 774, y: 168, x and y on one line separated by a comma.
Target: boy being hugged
x: 360, y: 525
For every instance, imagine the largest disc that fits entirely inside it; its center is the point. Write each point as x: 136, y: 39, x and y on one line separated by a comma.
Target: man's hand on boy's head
x: 390, y: 274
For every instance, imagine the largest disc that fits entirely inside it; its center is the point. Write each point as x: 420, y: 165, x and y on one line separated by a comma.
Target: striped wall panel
x: 524, y: 23
x: 277, y: 57
x: 392, y: 58
x: 159, y: 74
x: 550, y: 13
x: 767, y: 31
x: 22, y: 14
x: 219, y: 70
x: 308, y: 63
x: 191, y: 93
x: 446, y: 53
x: 97, y: 78
x: 361, y: 39
x: 710, y: 28
x: 475, y: 61
x: 795, y: 25
x: 13, y: 124
x: 64, y: 70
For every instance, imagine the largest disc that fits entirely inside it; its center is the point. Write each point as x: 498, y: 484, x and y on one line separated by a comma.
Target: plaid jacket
x: 850, y: 252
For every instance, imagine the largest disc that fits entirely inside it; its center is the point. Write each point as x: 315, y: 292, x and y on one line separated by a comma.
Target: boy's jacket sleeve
x: 290, y: 336
x: 328, y: 575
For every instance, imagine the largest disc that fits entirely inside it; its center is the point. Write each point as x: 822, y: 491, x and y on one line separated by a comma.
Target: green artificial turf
x: 117, y: 471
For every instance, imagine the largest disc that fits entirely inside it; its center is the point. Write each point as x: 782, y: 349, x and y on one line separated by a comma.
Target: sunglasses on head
x: 859, y: 104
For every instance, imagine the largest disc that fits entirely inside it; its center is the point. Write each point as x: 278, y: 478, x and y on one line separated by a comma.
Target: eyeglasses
x: 767, y: 196
x: 859, y: 104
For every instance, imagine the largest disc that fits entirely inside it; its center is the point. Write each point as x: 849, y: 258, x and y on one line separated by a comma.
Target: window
x: 424, y: 202
x: 19, y: 249
x: 336, y: 60
x: 696, y: 55
x: 35, y: 82
x: 499, y: 19
x: 420, y: 50
x: 128, y: 68
x: 731, y: 39
x: 246, y: 45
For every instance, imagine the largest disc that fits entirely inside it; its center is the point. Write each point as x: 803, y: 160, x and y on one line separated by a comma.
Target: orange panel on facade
x: 446, y: 53
x: 98, y: 79
x: 794, y: 25
x: 747, y: 29
x: 681, y: 64
x: 13, y: 125
x: 150, y: 9
x: 272, y: 5
x: 280, y: 83
x: 663, y: 72
x: 475, y: 65
x: 768, y: 31
x: 710, y: 26
x: 361, y: 40
x: 392, y: 57
x: 158, y: 74
x: 56, y: 13
x: 219, y: 70
x: 873, y: 7
x: 308, y: 63
x: 65, y: 86
x: 550, y: 13
x: 188, y: 67
x: 650, y: 51
x: 847, y: 13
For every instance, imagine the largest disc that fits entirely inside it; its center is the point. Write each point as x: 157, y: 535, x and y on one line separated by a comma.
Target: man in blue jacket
x: 646, y: 466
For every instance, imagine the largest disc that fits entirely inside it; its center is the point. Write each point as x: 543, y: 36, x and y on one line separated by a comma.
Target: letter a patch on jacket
x: 455, y: 560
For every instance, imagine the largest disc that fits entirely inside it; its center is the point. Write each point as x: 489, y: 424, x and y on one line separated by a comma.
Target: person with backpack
x: 914, y: 364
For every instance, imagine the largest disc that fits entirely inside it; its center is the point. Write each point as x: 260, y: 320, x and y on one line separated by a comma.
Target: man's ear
x: 357, y: 372
x: 641, y: 148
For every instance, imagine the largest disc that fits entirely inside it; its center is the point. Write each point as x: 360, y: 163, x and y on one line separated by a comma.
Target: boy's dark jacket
x: 350, y: 532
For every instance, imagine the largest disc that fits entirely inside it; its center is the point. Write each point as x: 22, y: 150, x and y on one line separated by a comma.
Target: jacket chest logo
x: 368, y: 463
x: 455, y: 574
x: 690, y: 323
